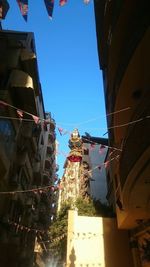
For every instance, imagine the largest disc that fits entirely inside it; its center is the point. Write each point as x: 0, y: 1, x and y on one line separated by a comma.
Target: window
x: 86, y: 151
x: 7, y: 135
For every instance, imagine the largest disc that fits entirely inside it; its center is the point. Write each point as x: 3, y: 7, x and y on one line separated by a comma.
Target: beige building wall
x: 96, y: 241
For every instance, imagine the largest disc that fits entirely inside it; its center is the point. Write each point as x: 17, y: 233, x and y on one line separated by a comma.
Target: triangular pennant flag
x: 62, y: 2
x: 49, y: 4
x: 101, y: 149
x: 99, y: 167
x: 35, y: 118
x: 23, y: 5
x: 4, y: 7
x: 60, y: 130
x: 92, y: 146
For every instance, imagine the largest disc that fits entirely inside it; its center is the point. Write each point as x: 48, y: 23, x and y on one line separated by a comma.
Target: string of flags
x: 53, y: 240
x: 92, y: 145
x: 105, y: 164
x: 46, y: 189
x: 49, y: 4
x: 19, y: 227
x: 38, y: 190
x: 62, y: 131
x: 97, y: 118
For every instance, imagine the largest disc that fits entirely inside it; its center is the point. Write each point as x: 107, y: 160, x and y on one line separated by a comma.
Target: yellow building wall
x: 96, y: 241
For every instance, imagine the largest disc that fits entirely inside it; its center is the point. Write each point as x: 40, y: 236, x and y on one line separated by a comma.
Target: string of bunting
x: 93, y: 144
x: 62, y: 131
x: 101, y: 147
x: 49, y: 4
x: 105, y: 165
x: 53, y: 240
x: 39, y: 190
x: 97, y: 118
x: 37, y: 119
x: 20, y: 227
x: 45, y: 189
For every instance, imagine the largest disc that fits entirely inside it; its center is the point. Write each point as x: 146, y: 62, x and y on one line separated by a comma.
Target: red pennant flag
x: 62, y: 2
x: 35, y: 118
x: 101, y: 149
x: 23, y: 5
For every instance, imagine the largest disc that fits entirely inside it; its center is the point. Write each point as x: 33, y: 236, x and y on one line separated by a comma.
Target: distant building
x: 76, y: 178
x: 96, y: 150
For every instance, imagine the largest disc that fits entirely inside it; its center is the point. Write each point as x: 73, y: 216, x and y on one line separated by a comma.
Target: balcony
x: 134, y: 175
x: 49, y: 151
x: 21, y: 89
x: 134, y: 147
x: 52, y: 124
x: 29, y: 63
x: 51, y: 137
x: 48, y: 164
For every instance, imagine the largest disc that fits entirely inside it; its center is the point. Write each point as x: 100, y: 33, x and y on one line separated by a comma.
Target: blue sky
x: 68, y: 65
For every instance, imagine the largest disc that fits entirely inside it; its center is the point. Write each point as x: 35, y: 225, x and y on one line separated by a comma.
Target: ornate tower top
x: 75, y: 141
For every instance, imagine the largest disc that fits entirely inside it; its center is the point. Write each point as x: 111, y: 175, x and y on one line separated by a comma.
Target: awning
x: 29, y: 63
x: 22, y: 91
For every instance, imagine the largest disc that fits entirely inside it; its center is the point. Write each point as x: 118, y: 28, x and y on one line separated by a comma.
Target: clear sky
x: 68, y: 65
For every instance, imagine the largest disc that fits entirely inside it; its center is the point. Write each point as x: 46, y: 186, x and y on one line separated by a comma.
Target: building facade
x: 123, y: 36
x: 90, y: 242
x: 27, y: 152
x: 96, y: 150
